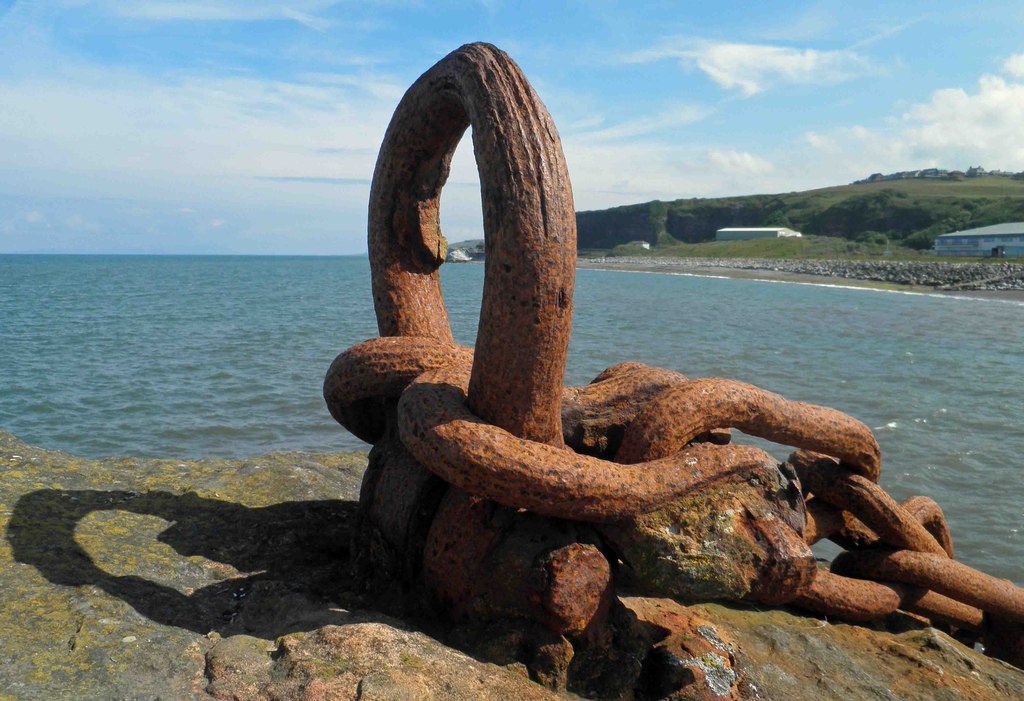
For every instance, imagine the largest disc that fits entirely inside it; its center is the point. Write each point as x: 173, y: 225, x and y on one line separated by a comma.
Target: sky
x: 252, y: 126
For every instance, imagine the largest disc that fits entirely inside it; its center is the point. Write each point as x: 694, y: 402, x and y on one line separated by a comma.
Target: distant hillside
x: 911, y: 212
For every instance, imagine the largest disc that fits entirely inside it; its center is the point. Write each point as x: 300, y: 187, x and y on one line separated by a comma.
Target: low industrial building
x: 759, y: 232
x: 996, y: 241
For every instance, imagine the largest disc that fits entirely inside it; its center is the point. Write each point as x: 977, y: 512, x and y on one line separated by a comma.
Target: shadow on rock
x: 269, y: 570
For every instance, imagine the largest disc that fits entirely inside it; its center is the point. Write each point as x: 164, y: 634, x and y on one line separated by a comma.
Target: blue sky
x: 247, y: 126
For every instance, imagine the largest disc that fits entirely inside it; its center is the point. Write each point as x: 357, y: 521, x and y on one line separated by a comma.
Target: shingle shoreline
x: 939, y: 275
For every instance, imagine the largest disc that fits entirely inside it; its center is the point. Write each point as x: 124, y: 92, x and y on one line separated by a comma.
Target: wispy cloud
x: 667, y: 120
x: 753, y: 68
x: 884, y: 33
x: 301, y: 11
x: 809, y: 23
x: 191, y: 127
x: 378, y: 85
x: 313, y: 180
x: 306, y: 19
x: 346, y: 151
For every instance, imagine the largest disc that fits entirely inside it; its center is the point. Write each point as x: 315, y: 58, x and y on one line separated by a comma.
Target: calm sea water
x: 224, y: 356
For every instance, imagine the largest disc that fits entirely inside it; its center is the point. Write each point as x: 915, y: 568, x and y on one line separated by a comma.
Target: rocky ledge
x: 228, y: 579
x: 946, y: 276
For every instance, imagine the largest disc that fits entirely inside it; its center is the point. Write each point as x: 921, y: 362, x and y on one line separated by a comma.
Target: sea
x: 223, y: 356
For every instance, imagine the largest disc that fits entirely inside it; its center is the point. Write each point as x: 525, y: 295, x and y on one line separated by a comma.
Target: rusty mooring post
x: 474, y: 563
x: 511, y: 498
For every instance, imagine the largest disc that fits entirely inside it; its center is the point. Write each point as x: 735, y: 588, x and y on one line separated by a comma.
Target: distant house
x: 646, y: 245
x: 759, y: 232
x: 996, y: 241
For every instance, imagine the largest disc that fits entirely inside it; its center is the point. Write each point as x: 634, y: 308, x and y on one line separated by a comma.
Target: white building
x: 759, y: 232
x: 996, y: 241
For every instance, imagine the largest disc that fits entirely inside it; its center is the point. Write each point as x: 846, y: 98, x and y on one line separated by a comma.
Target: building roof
x: 1016, y: 227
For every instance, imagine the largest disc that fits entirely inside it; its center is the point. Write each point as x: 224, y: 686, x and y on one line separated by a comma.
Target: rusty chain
x: 496, y: 424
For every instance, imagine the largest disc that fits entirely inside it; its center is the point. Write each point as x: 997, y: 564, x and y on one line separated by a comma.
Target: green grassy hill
x: 901, y: 214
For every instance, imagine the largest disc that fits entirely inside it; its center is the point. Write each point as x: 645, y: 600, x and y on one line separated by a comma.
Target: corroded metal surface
x: 511, y: 497
x: 437, y: 427
x: 929, y: 514
x: 854, y: 600
x: 680, y: 414
x: 595, y: 416
x: 938, y: 573
x: 941, y: 609
x: 363, y: 376
x: 529, y: 223
x: 515, y: 374
x: 896, y: 526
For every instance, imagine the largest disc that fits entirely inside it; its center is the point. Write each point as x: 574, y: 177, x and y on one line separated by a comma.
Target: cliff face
x: 689, y: 221
x: 610, y: 227
x: 700, y: 222
x: 228, y: 579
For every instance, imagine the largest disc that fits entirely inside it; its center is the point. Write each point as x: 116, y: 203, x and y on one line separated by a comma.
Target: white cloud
x: 1014, y: 66
x: 954, y: 129
x: 739, y: 162
x: 753, y: 68
x: 959, y: 128
x: 607, y: 174
x: 820, y: 142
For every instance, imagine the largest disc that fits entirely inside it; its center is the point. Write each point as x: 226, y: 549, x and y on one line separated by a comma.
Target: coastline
x: 770, y: 272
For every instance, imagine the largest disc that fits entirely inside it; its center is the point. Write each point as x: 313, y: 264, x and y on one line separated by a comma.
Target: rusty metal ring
x: 529, y: 229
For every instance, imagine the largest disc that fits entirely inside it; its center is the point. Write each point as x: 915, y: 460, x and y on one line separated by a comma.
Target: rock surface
x: 163, y: 579
x: 227, y: 579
